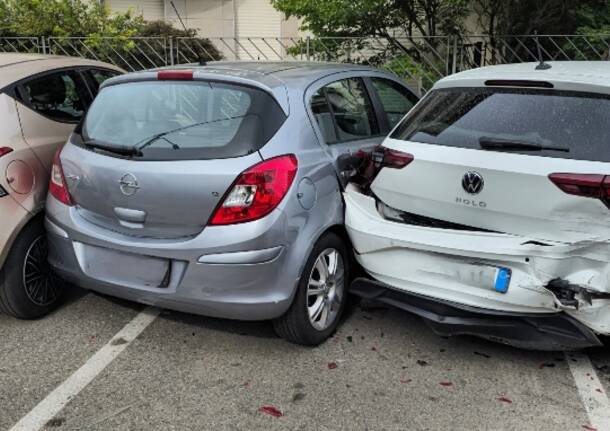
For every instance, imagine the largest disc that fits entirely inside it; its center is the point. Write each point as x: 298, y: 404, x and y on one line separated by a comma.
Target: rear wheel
x: 321, y: 295
x: 28, y: 287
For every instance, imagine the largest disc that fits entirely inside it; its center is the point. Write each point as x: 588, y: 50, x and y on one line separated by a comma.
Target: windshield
x: 182, y: 120
x: 550, y: 123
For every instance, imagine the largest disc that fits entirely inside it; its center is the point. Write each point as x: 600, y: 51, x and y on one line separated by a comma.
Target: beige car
x: 42, y: 99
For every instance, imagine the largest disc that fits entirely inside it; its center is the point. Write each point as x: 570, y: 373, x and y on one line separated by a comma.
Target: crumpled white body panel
x: 459, y: 266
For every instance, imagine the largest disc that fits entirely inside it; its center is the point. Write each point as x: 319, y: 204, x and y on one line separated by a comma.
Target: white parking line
x: 63, y: 394
x: 591, y: 391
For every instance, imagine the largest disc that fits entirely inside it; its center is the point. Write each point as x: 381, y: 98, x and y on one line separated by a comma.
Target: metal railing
x: 420, y: 60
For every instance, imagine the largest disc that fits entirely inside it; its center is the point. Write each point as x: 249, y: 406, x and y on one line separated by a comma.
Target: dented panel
x: 458, y: 265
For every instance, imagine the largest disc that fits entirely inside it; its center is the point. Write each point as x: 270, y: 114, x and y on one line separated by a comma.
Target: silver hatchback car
x: 216, y: 189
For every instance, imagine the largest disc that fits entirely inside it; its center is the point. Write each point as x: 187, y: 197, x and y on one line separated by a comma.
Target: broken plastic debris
x: 406, y: 380
x: 332, y: 365
x: 271, y: 411
x: 446, y: 384
x: 546, y: 365
x: 505, y: 399
x: 589, y: 428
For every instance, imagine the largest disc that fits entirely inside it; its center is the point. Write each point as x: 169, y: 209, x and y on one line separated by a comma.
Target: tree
x: 65, y: 18
x: 385, y: 18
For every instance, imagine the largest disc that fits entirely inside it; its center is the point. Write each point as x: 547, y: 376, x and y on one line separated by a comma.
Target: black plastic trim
x: 552, y: 332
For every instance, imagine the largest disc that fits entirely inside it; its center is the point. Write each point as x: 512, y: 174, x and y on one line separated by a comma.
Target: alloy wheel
x: 326, y: 289
x: 41, y: 284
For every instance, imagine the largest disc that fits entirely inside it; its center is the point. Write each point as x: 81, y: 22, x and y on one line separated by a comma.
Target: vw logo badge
x: 472, y: 182
x: 128, y: 184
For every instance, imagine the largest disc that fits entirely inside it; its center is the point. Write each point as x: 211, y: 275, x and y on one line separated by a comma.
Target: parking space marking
x: 591, y: 391
x: 48, y: 408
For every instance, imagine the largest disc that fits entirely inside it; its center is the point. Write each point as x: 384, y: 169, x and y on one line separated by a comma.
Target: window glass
x: 564, y: 124
x: 321, y: 112
x: 348, y: 104
x: 99, y: 76
x: 396, y: 99
x: 183, y: 120
x: 56, y: 96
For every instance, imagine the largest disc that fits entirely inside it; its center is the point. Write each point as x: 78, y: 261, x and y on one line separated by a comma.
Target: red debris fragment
x: 332, y: 365
x: 271, y: 411
x: 589, y: 428
x: 446, y: 384
x: 406, y: 380
x: 505, y: 399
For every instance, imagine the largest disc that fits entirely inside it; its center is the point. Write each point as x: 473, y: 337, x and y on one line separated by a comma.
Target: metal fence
x: 420, y: 60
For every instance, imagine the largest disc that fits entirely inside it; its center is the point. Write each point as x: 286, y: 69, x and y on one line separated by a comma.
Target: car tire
x: 304, y: 322
x: 28, y: 287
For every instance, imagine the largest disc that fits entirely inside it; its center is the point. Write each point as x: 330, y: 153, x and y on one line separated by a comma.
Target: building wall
x: 150, y: 9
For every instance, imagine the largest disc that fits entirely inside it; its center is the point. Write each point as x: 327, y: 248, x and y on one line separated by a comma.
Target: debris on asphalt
x: 56, y: 422
x: 546, y: 365
x: 484, y: 355
x: 446, y: 384
x: 374, y: 349
x: 349, y: 338
x: 589, y: 428
x: 332, y: 365
x: 422, y: 363
x: 406, y: 380
x: 246, y: 384
x: 118, y: 342
x: 271, y: 411
x: 298, y: 397
x: 505, y: 399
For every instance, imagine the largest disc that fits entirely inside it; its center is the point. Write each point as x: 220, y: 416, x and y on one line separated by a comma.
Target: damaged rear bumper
x: 457, y: 266
x: 556, y: 331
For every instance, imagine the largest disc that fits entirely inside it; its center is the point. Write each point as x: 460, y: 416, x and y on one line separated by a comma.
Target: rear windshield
x: 564, y: 124
x: 173, y: 120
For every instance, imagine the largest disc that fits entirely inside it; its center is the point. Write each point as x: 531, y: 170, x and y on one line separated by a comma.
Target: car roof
x: 14, y: 67
x: 591, y: 76
x: 267, y: 73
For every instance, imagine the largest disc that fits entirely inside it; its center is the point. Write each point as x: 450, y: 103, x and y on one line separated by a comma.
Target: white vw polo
x: 488, y: 212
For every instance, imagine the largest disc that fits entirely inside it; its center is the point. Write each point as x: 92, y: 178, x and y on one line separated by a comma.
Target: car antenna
x: 541, y: 64
x: 202, y: 60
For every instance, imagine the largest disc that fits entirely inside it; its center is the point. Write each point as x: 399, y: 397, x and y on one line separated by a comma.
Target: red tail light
x: 587, y: 185
x: 257, y: 191
x: 5, y: 150
x: 175, y: 75
x: 387, y: 158
x: 57, y: 184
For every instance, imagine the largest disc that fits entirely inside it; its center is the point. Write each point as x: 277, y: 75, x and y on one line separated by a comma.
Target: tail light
x: 5, y: 150
x: 586, y: 185
x: 387, y: 158
x: 257, y: 191
x: 57, y: 184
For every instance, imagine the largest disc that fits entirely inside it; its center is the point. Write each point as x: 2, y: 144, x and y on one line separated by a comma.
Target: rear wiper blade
x: 123, y: 151
x: 514, y: 145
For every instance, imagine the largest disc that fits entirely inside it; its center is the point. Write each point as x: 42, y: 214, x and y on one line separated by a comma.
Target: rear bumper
x: 552, y: 332
x: 228, y: 271
x: 454, y: 265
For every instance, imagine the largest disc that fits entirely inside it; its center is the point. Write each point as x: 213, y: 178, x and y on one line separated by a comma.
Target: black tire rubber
x: 14, y: 300
x: 294, y: 325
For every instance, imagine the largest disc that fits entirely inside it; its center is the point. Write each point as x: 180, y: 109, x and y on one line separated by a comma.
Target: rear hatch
x: 154, y: 158
x: 523, y: 161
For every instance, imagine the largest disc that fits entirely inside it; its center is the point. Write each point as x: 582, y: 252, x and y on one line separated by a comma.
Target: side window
x: 344, y: 111
x: 57, y: 96
x: 99, y: 76
x: 396, y: 100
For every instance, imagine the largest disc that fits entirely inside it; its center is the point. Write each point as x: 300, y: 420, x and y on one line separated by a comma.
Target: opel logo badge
x: 129, y: 184
x: 472, y: 182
